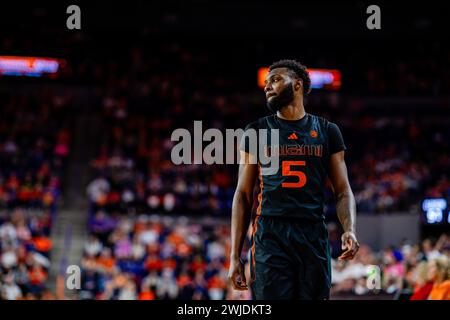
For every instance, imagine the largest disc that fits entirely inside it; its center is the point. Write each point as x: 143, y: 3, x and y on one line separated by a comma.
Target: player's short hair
x: 298, y: 69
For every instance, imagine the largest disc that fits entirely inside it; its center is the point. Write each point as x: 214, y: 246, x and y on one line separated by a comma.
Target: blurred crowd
x: 155, y: 257
x: 161, y: 257
x: 394, y: 160
x: 34, y: 145
x: 397, y: 161
x: 409, y: 271
x: 133, y: 256
x: 25, y: 246
x: 138, y: 248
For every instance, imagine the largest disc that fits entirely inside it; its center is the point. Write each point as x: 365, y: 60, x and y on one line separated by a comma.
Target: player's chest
x: 292, y: 143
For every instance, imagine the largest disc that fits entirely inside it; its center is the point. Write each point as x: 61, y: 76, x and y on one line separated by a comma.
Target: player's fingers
x: 350, y: 243
x: 239, y: 286
x: 355, y: 248
x: 345, y: 254
x: 237, y: 283
x: 346, y: 242
x: 346, y: 257
x: 350, y: 253
x: 232, y: 280
x: 242, y: 280
x: 353, y: 245
x: 342, y: 257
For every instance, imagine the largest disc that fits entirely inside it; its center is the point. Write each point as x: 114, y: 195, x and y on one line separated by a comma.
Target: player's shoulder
x: 322, y: 121
x: 260, y: 123
x: 330, y: 128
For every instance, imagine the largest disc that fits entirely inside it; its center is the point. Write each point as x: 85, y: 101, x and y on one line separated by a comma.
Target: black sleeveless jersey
x: 295, y: 186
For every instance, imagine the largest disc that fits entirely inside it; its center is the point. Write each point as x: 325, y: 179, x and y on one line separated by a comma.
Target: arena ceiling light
x: 328, y: 79
x: 30, y: 66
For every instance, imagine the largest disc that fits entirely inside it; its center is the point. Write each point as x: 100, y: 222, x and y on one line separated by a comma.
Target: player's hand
x: 350, y: 245
x: 236, y: 275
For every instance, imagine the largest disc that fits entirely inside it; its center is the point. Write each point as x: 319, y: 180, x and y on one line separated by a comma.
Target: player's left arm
x: 345, y: 204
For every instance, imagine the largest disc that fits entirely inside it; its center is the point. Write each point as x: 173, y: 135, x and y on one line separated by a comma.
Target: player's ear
x: 298, y: 84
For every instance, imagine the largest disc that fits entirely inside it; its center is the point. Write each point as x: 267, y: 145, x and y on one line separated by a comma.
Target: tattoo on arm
x: 240, y: 222
x: 346, y: 210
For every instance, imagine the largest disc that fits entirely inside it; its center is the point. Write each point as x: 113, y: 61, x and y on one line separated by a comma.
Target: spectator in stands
x: 423, y: 285
x: 9, y: 290
x: 439, y: 273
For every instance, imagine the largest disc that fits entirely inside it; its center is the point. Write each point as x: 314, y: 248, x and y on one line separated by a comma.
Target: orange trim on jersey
x: 255, y: 227
x: 261, y: 186
x: 255, y: 221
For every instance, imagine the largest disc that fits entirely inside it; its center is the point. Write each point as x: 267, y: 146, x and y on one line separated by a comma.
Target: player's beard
x: 282, y: 99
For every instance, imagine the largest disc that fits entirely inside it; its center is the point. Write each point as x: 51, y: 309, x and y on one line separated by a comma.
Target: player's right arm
x: 240, y: 217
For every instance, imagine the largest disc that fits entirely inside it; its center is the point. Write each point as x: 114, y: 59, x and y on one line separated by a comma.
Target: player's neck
x: 291, y: 112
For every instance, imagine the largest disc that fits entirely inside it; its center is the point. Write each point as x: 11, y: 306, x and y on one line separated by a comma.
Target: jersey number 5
x: 286, y: 171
